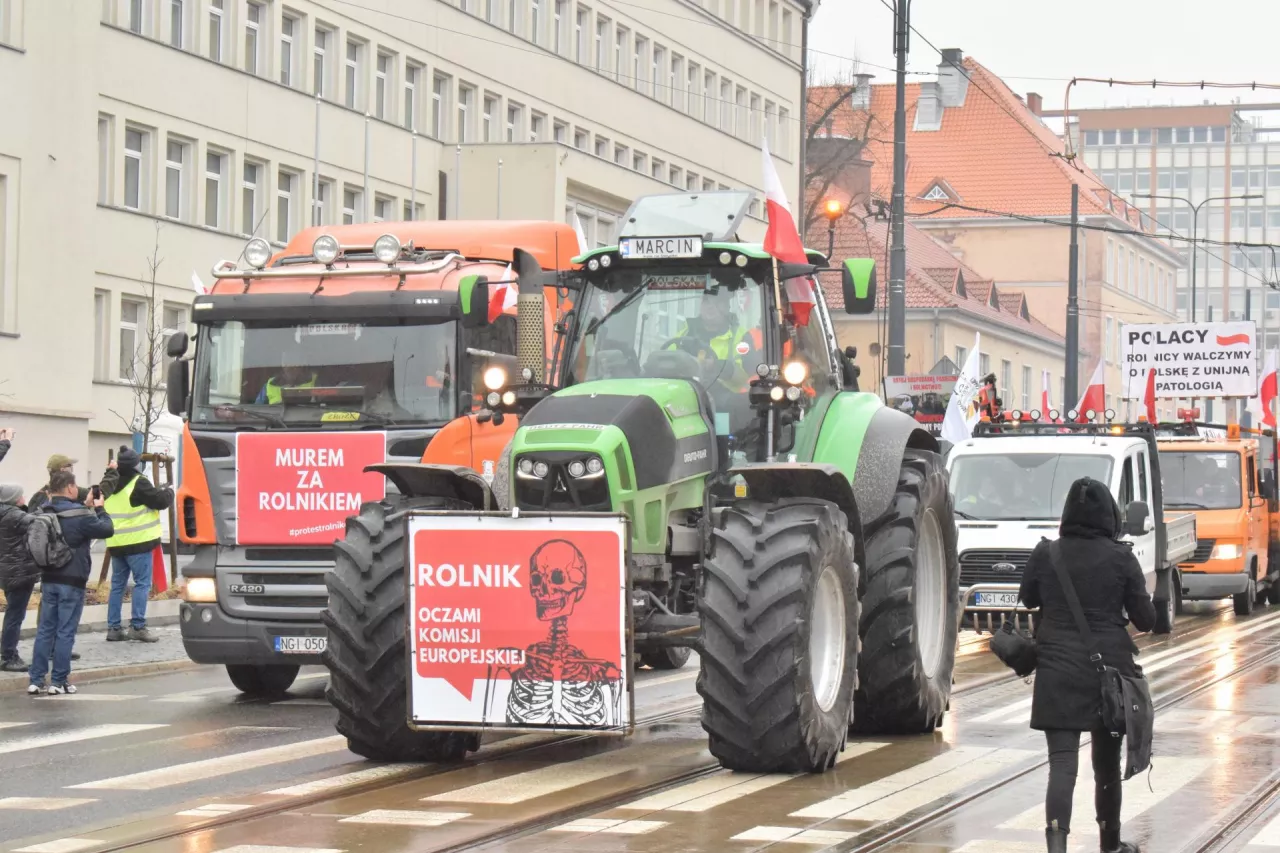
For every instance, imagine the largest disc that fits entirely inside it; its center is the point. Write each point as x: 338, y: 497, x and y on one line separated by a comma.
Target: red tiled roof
x: 1012, y: 302
x: 993, y: 152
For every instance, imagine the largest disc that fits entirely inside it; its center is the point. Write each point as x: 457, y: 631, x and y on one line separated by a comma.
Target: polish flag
x: 1094, y: 396
x: 1150, y: 396
x: 583, y: 248
x: 1044, y: 395
x: 782, y: 239
x: 1261, y: 405
x: 503, y: 294
x: 197, y: 284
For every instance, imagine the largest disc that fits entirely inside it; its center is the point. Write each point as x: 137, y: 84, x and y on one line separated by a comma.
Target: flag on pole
x: 1094, y: 396
x: 962, y: 414
x: 503, y: 295
x: 1044, y: 395
x: 782, y: 239
x: 1261, y: 406
x: 1150, y: 396
x: 583, y: 248
x: 197, y: 284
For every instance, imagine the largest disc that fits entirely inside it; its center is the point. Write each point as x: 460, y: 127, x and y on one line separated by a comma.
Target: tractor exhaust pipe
x: 531, y: 317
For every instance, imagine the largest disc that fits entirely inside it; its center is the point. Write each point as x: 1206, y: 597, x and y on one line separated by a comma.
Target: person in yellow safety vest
x: 134, y: 507
x: 292, y: 375
x: 718, y: 327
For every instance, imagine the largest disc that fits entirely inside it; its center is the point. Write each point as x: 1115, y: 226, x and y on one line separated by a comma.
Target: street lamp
x: 833, y: 209
x: 1195, y: 215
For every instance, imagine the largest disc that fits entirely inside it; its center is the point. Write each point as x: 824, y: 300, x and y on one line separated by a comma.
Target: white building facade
x: 172, y: 130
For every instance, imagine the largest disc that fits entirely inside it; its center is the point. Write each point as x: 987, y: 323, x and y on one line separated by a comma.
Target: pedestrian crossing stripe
x: 406, y: 817
x: 46, y: 739
x: 271, y: 848
x: 214, y: 810
x: 62, y: 845
x: 610, y: 827
x: 793, y: 835
x: 369, y: 774
x: 1268, y: 836
x: 45, y: 804
x: 180, y: 774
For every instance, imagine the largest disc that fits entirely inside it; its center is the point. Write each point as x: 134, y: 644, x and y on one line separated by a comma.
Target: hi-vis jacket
x: 137, y: 526
x: 271, y: 391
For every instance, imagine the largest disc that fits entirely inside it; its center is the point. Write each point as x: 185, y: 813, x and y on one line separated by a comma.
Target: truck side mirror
x: 1267, y: 486
x: 178, y: 343
x: 473, y: 298
x: 858, y: 280
x: 1137, y: 519
x: 177, y: 385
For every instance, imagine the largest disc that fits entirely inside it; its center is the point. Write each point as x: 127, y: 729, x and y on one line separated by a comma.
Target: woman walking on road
x: 1067, y: 697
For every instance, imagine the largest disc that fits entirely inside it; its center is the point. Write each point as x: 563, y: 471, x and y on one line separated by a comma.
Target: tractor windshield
x: 690, y: 322
x: 284, y: 375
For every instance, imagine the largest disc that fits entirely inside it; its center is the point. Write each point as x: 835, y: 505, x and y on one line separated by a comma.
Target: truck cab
x: 1008, y: 485
x: 1230, y: 487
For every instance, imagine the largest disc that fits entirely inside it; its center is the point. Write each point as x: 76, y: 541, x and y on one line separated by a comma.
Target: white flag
x: 583, y: 248
x: 962, y: 414
x: 198, y: 284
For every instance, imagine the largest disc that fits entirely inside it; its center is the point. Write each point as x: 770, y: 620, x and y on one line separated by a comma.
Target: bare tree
x: 836, y: 133
x: 146, y: 370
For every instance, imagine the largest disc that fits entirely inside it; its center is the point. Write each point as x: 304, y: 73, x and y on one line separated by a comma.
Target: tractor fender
x: 418, y: 480
x: 774, y: 481
x: 889, y: 433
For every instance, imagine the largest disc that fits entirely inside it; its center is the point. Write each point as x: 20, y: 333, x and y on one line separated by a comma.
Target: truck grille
x: 292, y: 592
x: 979, y: 566
x: 1204, y: 547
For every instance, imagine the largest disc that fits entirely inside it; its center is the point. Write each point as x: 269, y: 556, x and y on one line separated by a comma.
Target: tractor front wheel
x: 367, y: 626
x: 910, y: 605
x: 779, y: 653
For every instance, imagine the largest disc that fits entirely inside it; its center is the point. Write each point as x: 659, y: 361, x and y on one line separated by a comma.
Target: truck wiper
x: 965, y: 515
x: 622, y: 303
x: 254, y: 413
x: 1187, y: 505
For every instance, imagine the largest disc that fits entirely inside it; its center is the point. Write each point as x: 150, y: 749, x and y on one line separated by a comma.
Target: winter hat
x: 9, y: 493
x: 57, y: 462
x: 128, y: 457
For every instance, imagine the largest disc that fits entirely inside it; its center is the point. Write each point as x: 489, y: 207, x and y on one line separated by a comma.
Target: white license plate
x: 996, y: 599
x: 660, y: 247
x: 301, y: 645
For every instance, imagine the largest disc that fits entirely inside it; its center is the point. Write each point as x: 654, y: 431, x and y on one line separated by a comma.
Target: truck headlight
x: 1226, y: 551
x: 200, y: 591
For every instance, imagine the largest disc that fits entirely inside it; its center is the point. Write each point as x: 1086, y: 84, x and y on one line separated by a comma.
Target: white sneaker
x: 59, y: 689
x: 35, y: 689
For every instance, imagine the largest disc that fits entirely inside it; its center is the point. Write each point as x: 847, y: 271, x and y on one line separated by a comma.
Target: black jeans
x: 1064, y: 752
x: 16, y: 597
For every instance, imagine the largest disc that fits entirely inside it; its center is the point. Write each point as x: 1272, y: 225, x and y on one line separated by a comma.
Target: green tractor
x: 794, y: 531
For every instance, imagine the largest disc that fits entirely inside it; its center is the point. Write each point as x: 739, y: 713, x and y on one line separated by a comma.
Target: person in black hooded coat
x: 1067, y: 700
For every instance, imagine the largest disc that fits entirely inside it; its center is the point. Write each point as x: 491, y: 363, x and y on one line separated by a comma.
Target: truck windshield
x: 282, y: 375
x: 1020, y: 486
x: 1200, y: 480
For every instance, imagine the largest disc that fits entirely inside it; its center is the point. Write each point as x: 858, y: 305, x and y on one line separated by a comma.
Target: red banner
x: 297, y: 488
x: 518, y: 622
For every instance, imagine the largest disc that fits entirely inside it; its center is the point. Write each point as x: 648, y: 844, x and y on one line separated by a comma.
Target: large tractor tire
x: 779, y: 651
x: 367, y: 625
x: 910, y: 605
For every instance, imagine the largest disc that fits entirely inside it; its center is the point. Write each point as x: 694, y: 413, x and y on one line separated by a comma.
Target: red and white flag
x: 1149, y: 397
x: 1261, y: 406
x: 583, y: 247
x: 197, y: 284
x: 782, y: 239
x: 502, y: 295
x: 1045, y: 407
x: 1094, y: 396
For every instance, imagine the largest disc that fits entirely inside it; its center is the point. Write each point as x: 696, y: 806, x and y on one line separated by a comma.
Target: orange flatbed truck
x: 1227, y: 476
x: 349, y: 347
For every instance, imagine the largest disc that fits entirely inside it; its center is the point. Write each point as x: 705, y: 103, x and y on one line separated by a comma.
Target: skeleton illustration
x: 559, y: 684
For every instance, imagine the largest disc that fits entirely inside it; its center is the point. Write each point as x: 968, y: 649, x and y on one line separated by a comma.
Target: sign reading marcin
x: 1190, y: 359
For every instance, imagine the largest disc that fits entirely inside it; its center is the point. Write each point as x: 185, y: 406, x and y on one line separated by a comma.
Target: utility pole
x: 898, y: 246
x: 1071, y: 376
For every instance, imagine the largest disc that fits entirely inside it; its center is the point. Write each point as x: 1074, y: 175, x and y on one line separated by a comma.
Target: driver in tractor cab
x: 292, y: 375
x: 718, y: 327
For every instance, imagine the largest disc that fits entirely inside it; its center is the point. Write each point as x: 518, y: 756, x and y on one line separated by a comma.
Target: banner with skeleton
x: 518, y: 623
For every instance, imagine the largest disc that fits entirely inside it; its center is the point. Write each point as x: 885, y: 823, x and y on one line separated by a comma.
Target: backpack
x: 49, y: 550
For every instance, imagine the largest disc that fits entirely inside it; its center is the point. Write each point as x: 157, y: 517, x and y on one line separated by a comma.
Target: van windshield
x: 1200, y: 480
x: 1020, y: 486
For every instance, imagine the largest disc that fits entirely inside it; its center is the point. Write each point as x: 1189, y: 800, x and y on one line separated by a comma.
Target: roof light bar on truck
x: 326, y: 250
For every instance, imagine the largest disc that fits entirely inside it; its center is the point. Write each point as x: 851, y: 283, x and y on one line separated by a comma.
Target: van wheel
x: 1243, y: 602
x: 262, y: 682
x: 1273, y: 590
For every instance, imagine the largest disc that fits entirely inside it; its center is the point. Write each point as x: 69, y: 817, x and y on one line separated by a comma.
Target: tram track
x: 1230, y: 831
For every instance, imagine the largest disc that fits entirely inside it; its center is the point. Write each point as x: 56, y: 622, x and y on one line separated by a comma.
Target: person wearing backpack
x: 18, y: 574
x: 61, y: 548
x: 134, y: 506
x: 1067, y: 699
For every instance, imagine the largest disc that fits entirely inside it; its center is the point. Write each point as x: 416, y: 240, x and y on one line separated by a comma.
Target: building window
x: 580, y: 139
x: 491, y: 11
x: 692, y: 104
x: 320, y: 51
x: 620, y: 154
x: 537, y: 126
x: 354, y: 59
x: 101, y: 333
x: 753, y: 120
x: 175, y: 183
x: 381, y: 208
x: 1006, y: 376
x: 215, y: 165
x: 466, y: 97
x: 412, y: 73
x: 1026, y: 387
x: 557, y: 43
x: 412, y: 211
x: 252, y: 42
x: 135, y: 144
x: 657, y: 168
x: 535, y: 21
x: 708, y: 185
x: 984, y: 363
x: 638, y: 162
x: 490, y: 119
x: 709, y: 97
x: 560, y: 131
x: 515, y: 122
x: 602, y: 147
x: 320, y: 205
x: 784, y: 128
x: 350, y: 205
x: 674, y: 176
x: 603, y: 25
x: 288, y: 27
x: 380, y: 85
x: 661, y: 89
x: 216, y: 22
x: 137, y: 16
x: 691, y: 182
x: 173, y: 319
x: 105, y: 125
x: 178, y: 23
x: 962, y: 355
x: 439, y: 102
x: 1107, y: 342
x: 580, y: 34
x: 286, y: 192
x: 249, y: 197
x: 133, y: 319
x: 639, y: 67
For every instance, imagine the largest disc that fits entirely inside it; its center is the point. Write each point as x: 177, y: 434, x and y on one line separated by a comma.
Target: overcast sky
x: 1223, y: 40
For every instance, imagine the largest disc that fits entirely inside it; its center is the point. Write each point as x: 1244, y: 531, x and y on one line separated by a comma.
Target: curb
x: 18, y: 682
x: 94, y: 618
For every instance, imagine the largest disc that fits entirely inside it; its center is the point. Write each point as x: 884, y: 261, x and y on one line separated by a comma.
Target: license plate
x: 247, y: 589
x: 996, y: 599
x: 301, y: 645
x: 660, y: 247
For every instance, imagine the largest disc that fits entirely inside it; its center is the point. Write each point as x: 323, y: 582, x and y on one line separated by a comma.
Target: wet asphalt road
x: 123, y: 761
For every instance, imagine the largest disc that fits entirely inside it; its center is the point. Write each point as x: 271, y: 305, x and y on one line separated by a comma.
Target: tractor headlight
x: 495, y: 377
x: 525, y: 467
x: 201, y: 590
x: 493, y: 399
x: 776, y: 393
x: 577, y: 468
x: 793, y: 393
x: 741, y: 260
x: 387, y: 249
x: 325, y: 249
x: 540, y: 469
x: 594, y: 465
x: 795, y: 372
x: 606, y: 260
x: 1226, y: 551
x: 257, y: 253
x: 593, y: 264
x: 508, y: 398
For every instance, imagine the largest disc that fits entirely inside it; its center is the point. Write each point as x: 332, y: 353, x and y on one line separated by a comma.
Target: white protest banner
x: 1190, y: 359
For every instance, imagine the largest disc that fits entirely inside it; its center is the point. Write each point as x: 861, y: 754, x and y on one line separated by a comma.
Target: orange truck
x: 1227, y: 477
x: 350, y: 347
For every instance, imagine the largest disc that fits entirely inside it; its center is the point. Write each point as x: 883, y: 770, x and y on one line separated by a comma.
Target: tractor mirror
x: 786, y: 271
x: 528, y: 272
x: 1268, y: 484
x: 177, y: 346
x: 859, y: 284
x: 473, y: 297
x: 177, y: 385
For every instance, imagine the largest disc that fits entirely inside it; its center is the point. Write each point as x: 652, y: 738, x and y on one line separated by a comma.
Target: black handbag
x: 1015, y: 648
